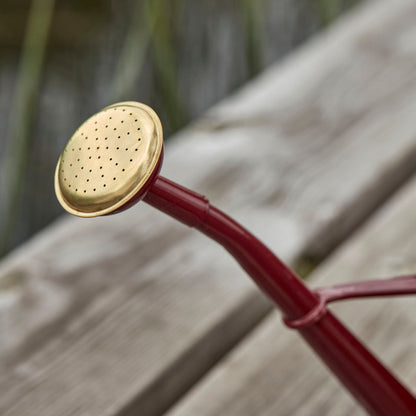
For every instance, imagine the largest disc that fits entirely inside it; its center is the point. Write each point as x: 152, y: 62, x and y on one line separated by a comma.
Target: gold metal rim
x: 137, y: 179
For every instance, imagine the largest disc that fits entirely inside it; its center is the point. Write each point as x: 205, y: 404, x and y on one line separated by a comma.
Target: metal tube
x: 401, y: 285
x: 378, y: 391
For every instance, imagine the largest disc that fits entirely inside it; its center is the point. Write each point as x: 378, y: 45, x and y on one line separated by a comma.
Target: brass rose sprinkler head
x: 111, y: 160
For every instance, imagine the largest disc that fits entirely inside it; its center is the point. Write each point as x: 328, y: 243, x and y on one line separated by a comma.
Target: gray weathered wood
x: 121, y: 315
x: 274, y: 373
x: 211, y: 41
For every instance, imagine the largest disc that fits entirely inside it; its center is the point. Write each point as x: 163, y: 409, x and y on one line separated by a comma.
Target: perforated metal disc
x: 109, y: 159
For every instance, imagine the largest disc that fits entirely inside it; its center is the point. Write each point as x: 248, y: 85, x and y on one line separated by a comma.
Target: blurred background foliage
x: 62, y: 60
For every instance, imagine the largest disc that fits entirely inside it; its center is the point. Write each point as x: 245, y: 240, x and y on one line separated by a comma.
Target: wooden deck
x: 137, y: 315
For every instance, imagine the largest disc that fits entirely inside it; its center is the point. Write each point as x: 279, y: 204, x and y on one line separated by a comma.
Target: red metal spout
x: 366, y: 378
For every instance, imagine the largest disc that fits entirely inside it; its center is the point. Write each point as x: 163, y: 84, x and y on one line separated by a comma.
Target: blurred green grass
x: 150, y: 50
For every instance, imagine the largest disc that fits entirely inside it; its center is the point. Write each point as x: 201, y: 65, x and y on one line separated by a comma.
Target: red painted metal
x: 379, y: 392
x: 401, y: 285
x: 310, y: 318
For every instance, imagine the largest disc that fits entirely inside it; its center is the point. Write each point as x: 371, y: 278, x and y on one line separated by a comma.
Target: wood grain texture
x: 274, y: 373
x: 121, y: 315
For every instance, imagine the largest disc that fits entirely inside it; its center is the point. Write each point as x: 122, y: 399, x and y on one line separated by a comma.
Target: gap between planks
x: 102, y: 318
x: 273, y: 372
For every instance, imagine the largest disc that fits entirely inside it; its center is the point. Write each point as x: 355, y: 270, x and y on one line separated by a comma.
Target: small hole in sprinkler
x: 82, y: 167
x: 111, y: 158
x: 114, y: 179
x: 128, y: 132
x: 98, y: 147
x: 131, y: 160
x: 99, y: 157
x: 122, y: 121
x: 136, y: 149
x: 118, y: 148
x: 123, y: 170
x: 94, y: 189
x: 106, y: 138
x: 107, y: 147
x: 77, y: 160
x: 85, y: 191
x: 131, y: 114
x: 139, y: 139
x: 69, y: 185
x: 88, y: 180
x: 90, y: 170
x: 76, y: 189
x: 90, y: 157
x: 102, y: 176
x: 76, y: 176
x: 70, y: 164
x: 96, y: 138
x: 104, y: 185
x: 127, y: 149
x: 79, y: 149
x: 116, y: 164
x: 115, y: 128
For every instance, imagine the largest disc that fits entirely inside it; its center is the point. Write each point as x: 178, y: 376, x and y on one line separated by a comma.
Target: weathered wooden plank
x: 120, y: 315
x: 274, y: 373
